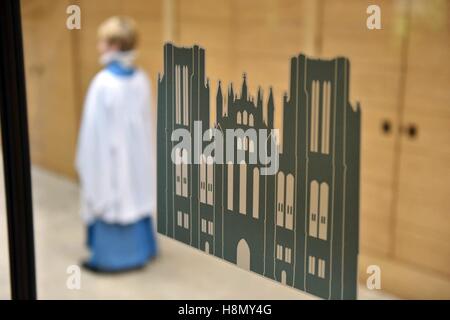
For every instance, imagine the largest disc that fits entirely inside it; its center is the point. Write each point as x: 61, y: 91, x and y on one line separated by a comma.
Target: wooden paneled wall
x: 422, y: 221
x: 52, y: 100
x: 400, y: 75
x: 375, y: 57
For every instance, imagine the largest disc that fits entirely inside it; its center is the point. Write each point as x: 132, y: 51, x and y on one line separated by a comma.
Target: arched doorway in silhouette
x: 207, y: 247
x: 283, y: 277
x: 243, y: 254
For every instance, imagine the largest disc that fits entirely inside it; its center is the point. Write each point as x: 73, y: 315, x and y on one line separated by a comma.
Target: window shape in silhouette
x: 287, y: 255
x: 289, y: 224
x: 210, y: 228
x: 186, y: 221
x: 230, y: 186
x: 251, y: 121
x: 210, y: 179
x: 279, y: 252
x: 326, y: 102
x: 321, y: 268
x: 323, y: 210
x: 179, y: 218
x: 203, y: 179
x: 313, y: 207
x: 177, y: 95
x: 280, y: 199
x: 178, y: 176
x: 203, y: 227
x: 255, y: 193
x: 243, y: 187
x: 311, y: 265
x: 184, y: 173
x: 314, y: 118
x: 185, y: 96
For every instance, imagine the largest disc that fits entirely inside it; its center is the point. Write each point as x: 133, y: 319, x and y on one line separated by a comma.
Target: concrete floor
x: 180, y: 272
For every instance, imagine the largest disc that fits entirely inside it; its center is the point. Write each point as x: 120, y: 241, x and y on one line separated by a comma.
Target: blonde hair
x: 120, y: 31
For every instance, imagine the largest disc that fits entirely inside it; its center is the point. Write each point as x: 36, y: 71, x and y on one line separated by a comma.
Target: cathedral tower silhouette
x: 298, y: 226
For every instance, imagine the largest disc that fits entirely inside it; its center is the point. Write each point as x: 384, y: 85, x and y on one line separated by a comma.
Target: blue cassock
x: 117, y: 246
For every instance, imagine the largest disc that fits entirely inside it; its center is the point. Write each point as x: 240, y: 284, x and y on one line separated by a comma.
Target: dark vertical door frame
x: 16, y: 156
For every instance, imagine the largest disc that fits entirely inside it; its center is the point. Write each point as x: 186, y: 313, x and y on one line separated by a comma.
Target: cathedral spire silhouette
x: 244, y: 88
x: 270, y: 109
x: 231, y: 91
x: 219, y: 103
x: 259, y: 101
x: 230, y: 97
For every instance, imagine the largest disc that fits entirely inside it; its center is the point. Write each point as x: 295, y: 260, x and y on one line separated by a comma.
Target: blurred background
x: 400, y: 75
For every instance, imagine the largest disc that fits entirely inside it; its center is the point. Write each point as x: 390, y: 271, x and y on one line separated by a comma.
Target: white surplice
x: 116, y: 156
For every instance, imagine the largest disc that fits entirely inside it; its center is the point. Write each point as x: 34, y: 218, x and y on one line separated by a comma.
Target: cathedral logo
x: 289, y: 212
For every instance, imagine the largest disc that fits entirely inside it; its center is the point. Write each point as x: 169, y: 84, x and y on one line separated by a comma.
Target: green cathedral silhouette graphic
x: 298, y: 226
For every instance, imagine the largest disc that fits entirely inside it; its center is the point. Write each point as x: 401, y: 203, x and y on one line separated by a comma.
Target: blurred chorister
x: 116, y: 157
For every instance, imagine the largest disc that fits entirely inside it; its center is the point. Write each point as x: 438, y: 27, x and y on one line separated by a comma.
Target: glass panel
x: 400, y: 74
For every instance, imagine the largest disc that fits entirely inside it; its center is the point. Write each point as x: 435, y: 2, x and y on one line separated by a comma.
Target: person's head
x: 117, y: 34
